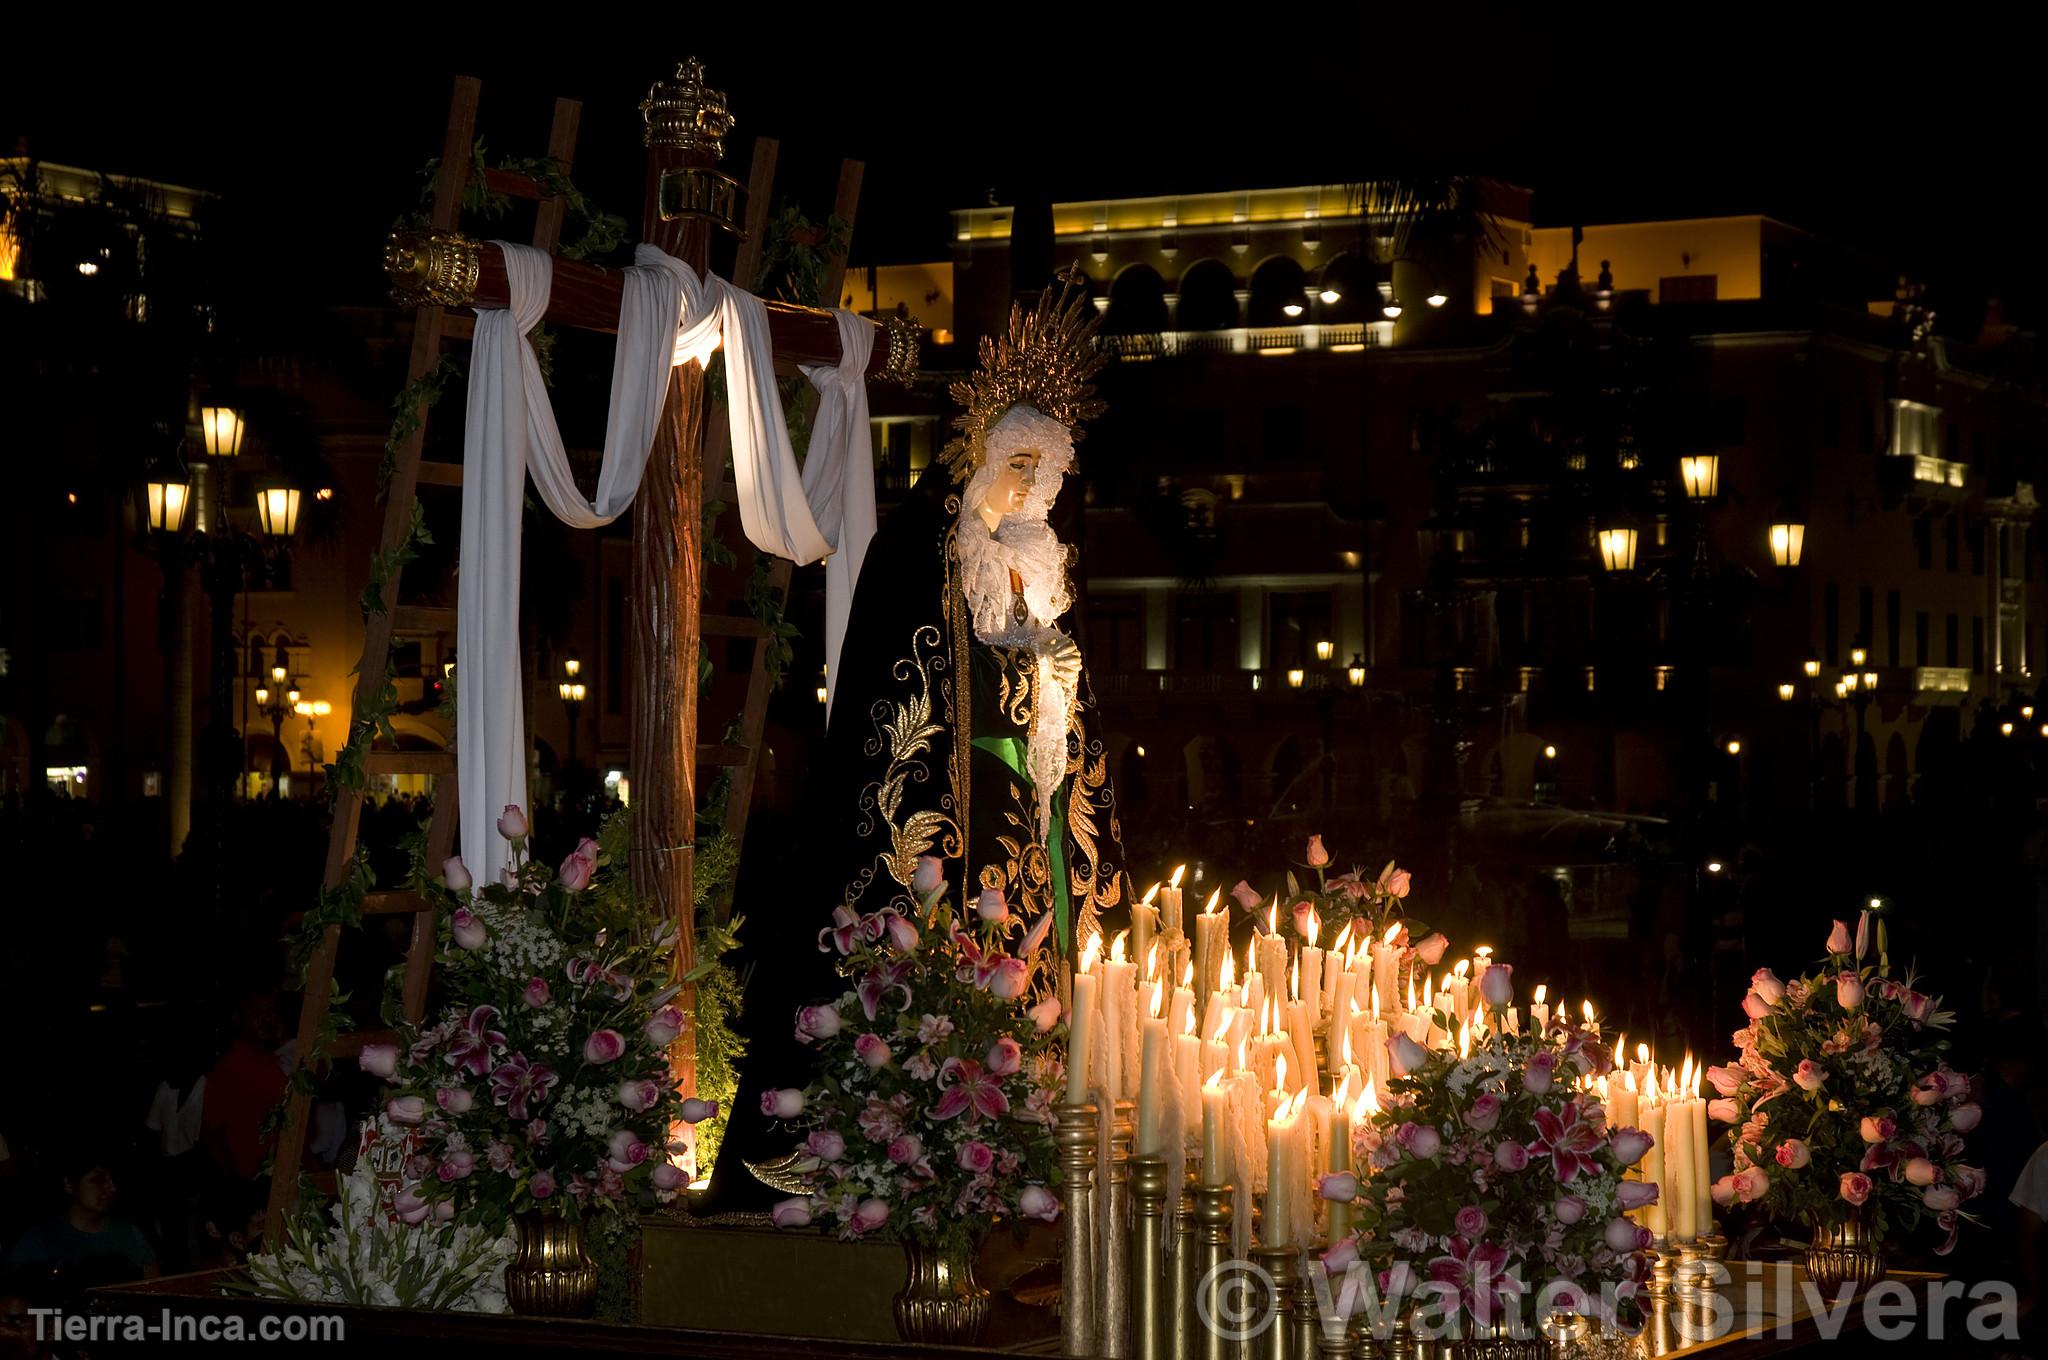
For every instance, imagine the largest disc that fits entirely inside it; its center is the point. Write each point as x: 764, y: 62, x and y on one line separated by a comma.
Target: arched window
x: 1137, y: 303
x: 1208, y: 297
x: 1352, y: 278
x: 1276, y: 286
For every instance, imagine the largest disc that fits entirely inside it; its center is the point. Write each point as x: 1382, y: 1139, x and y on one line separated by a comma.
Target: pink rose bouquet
x: 1368, y: 904
x: 1842, y: 1101
x: 545, y: 1078
x: 931, y: 1117
x: 1481, y: 1189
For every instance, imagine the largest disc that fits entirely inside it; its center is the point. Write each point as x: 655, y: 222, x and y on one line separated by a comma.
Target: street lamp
x: 1734, y: 746
x: 1812, y: 668
x: 1618, y: 549
x: 1437, y: 296
x: 1294, y: 677
x: 1325, y: 649
x: 276, y: 701
x: 572, y: 692
x: 1857, y: 656
x: 1356, y: 671
x: 1788, y: 541
x: 1701, y: 473
x: 168, y: 496
x: 1787, y: 690
x: 222, y: 427
x: 277, y: 510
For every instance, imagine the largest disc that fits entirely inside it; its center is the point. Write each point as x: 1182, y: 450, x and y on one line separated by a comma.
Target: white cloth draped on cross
x: 667, y: 316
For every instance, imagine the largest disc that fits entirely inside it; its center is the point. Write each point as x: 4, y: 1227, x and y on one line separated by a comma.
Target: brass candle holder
x: 1275, y: 1339
x: 1181, y: 1322
x: 1306, y: 1334
x: 1148, y: 1256
x: 1074, y: 1132
x: 1212, y: 1263
x: 1113, y: 1273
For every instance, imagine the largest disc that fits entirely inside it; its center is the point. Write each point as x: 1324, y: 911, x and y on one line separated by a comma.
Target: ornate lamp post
x: 276, y: 701
x: 572, y: 692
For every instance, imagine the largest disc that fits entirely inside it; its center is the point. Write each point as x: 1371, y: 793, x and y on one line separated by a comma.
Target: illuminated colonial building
x: 1345, y: 519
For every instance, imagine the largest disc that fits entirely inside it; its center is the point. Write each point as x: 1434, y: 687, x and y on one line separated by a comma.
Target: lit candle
x: 1274, y: 1230
x: 1592, y: 1020
x: 1651, y: 1108
x: 1170, y: 896
x: 1675, y: 1189
x: 1144, y: 926
x: 1216, y: 1136
x: 1310, y: 970
x: 1539, y: 1014
x: 1702, y: 1174
x: 1212, y: 943
x: 1154, y: 1074
x: 1119, y: 1021
x: 1081, y: 1023
x: 1386, y: 971
x: 1187, y: 1069
x: 1337, y: 1154
x: 1621, y: 1101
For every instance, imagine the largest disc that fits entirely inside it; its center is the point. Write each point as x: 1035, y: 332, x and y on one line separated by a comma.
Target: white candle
x: 1152, y: 1093
x: 1539, y: 1014
x: 1702, y: 1173
x: 1170, y: 897
x: 1273, y: 1230
x: 1144, y: 927
x: 1216, y: 1135
x: 1081, y: 1025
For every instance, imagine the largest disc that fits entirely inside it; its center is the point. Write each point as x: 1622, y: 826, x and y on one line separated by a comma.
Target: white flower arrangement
x: 366, y: 1257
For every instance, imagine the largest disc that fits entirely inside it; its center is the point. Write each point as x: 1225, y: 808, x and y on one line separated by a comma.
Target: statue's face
x: 1014, y: 480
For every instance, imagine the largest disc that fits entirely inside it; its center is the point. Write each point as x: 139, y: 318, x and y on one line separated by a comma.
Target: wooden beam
x: 586, y: 297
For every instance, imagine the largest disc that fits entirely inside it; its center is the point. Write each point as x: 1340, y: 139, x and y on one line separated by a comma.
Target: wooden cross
x: 686, y: 197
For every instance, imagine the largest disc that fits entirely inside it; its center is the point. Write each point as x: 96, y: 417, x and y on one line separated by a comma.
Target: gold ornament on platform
x: 1045, y: 362
x: 431, y: 268
x: 1843, y: 1253
x: 941, y: 1305
x: 549, y: 1275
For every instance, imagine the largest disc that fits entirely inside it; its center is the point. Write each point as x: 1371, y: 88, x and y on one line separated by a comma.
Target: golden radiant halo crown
x: 1045, y: 362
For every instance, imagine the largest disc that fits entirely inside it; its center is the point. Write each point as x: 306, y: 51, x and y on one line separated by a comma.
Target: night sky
x: 1922, y: 149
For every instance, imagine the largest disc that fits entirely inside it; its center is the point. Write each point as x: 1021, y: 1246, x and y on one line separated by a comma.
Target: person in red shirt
x: 242, y: 1089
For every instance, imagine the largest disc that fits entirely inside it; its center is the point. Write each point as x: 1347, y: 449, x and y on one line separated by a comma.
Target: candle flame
x: 1411, y: 991
x: 1621, y: 1048
x: 1375, y: 1001
x: 1187, y: 973
x: 1273, y: 916
x: 1188, y: 1025
x: 1685, y: 1074
x: 1464, y: 1039
x: 1174, y: 881
x: 1428, y: 985
x: 1541, y: 991
x: 1091, y: 951
x: 1116, y: 948
x: 1294, y: 979
x: 1280, y: 1072
x: 1586, y: 1009
x: 1392, y: 931
x: 1315, y: 927
x: 1228, y: 977
x: 1345, y: 1052
x: 1158, y: 999
x: 1237, y: 1056
x: 1368, y: 1103
x: 1342, y: 1095
x: 1152, y: 960
x: 1343, y: 940
x: 1150, y: 893
x: 1464, y: 967
x: 1483, y: 953
x: 1642, y: 1053
x: 1215, y: 1081
x: 1215, y: 896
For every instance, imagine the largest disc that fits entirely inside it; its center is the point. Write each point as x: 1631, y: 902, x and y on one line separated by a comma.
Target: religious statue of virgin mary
x: 963, y: 733
x: 963, y: 726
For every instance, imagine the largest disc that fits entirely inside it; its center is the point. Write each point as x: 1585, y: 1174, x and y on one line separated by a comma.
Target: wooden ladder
x: 434, y: 329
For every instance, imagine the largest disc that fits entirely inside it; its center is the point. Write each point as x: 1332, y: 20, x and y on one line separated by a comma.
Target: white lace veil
x: 1024, y: 543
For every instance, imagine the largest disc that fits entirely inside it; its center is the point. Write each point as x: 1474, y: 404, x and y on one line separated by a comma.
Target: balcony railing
x: 1266, y: 340
x: 1137, y: 684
